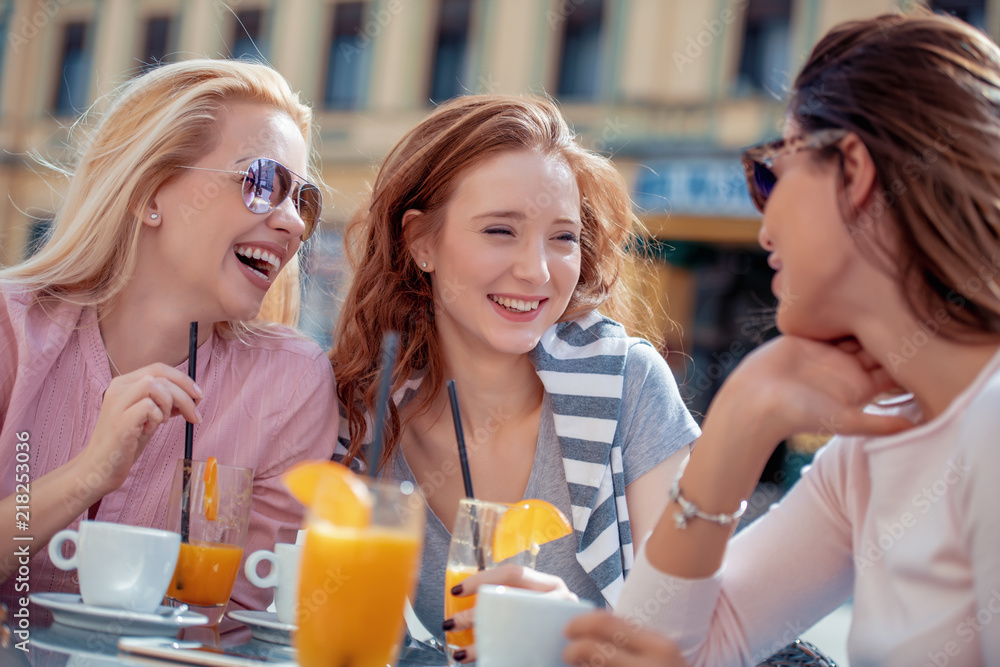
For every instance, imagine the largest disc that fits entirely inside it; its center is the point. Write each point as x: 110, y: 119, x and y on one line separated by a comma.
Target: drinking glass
x: 354, y: 579
x: 471, y: 550
x: 217, y: 515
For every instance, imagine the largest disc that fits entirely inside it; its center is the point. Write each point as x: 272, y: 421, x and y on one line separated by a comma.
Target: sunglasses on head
x: 759, y: 160
x: 266, y: 183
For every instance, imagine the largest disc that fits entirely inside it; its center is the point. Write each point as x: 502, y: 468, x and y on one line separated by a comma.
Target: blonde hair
x: 156, y: 124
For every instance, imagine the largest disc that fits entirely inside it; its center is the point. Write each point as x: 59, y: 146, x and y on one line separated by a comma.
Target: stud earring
x: 154, y: 216
x: 423, y: 265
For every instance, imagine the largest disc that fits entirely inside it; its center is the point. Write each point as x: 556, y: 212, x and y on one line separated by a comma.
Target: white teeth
x: 257, y: 253
x: 516, y: 305
x: 259, y: 273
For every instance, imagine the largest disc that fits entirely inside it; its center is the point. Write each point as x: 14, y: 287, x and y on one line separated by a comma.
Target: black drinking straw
x: 192, y: 363
x: 463, y: 459
x: 462, y: 456
x: 390, y: 346
x: 188, y: 440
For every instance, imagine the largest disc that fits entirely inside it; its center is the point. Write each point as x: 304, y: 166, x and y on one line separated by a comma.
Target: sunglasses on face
x: 266, y: 183
x: 758, y: 161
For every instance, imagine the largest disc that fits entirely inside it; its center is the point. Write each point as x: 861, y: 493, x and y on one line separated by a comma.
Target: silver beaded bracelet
x: 691, y: 511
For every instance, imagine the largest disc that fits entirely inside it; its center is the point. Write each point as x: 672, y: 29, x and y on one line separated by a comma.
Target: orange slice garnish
x: 527, y: 525
x: 332, y: 490
x: 212, y: 489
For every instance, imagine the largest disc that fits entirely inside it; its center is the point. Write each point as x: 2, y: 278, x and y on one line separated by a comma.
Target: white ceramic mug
x: 520, y: 627
x: 285, y: 561
x: 123, y: 567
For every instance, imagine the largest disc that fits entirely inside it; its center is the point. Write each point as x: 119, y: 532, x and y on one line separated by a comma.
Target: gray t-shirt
x: 653, y: 424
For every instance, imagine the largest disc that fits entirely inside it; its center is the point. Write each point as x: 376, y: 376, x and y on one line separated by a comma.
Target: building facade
x: 671, y: 89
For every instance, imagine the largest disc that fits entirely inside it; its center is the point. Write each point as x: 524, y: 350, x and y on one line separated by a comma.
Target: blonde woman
x: 188, y: 203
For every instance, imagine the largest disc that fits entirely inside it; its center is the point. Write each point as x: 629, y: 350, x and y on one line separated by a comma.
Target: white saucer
x: 69, y: 609
x: 264, y: 625
x: 83, y: 647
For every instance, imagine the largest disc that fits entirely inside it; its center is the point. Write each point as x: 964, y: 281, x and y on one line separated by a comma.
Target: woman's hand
x: 600, y: 639
x: 135, y: 404
x: 794, y: 385
x: 787, y: 386
x: 505, y: 575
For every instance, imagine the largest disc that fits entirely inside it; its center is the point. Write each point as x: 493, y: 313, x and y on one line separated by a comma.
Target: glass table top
x: 58, y: 645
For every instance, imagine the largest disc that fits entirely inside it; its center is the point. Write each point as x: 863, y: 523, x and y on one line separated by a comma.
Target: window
x: 580, y: 59
x: 448, y: 69
x: 74, y: 70
x: 38, y: 234
x: 249, y: 41
x: 157, y: 42
x: 349, y: 49
x: 5, y: 11
x: 764, y: 60
x: 971, y: 12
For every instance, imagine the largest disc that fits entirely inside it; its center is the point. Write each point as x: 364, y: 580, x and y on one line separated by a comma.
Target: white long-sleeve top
x: 909, y: 524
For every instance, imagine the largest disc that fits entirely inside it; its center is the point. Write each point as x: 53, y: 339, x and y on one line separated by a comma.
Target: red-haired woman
x: 490, y: 241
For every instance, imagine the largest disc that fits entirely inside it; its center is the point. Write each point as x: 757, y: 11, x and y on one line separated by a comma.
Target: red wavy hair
x: 389, y: 292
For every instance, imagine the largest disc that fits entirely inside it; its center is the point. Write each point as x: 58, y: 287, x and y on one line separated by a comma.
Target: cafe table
x: 57, y: 645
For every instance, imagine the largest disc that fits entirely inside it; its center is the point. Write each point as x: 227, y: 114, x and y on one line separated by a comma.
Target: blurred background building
x: 670, y: 89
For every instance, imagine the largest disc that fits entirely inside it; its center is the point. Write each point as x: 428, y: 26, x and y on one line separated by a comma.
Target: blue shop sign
x: 694, y: 186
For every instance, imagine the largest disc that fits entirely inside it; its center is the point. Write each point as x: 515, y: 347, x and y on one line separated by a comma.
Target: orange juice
x: 205, y: 573
x: 454, y: 575
x: 352, y: 590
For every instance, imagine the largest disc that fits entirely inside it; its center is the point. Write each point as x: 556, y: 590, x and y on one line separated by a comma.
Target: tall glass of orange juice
x: 360, y: 560
x: 471, y: 550
x: 217, y: 515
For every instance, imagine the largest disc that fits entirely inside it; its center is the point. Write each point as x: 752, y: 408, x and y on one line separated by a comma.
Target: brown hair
x: 922, y: 91
x: 156, y: 123
x: 389, y: 292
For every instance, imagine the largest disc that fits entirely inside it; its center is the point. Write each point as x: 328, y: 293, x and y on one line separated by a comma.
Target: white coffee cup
x: 517, y: 627
x: 285, y: 562
x: 123, y: 567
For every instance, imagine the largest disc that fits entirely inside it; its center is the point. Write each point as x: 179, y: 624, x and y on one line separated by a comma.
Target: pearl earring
x: 423, y: 265
x: 154, y: 216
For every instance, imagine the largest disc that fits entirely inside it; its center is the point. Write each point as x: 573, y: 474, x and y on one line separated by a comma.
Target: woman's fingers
x: 141, y: 420
x: 865, y: 423
x: 134, y: 406
x: 136, y: 403
x: 463, y: 620
x: 145, y: 414
x: 849, y: 345
x: 600, y: 638
x: 469, y: 654
x: 155, y: 390
x: 514, y: 576
x: 174, y: 392
x: 182, y: 402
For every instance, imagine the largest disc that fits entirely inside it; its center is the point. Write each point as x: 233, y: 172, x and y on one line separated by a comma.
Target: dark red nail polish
x: 456, y: 590
x: 459, y: 655
x: 448, y: 625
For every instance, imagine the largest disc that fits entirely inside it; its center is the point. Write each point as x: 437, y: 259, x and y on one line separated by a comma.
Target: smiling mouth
x: 261, y: 262
x: 515, y: 305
